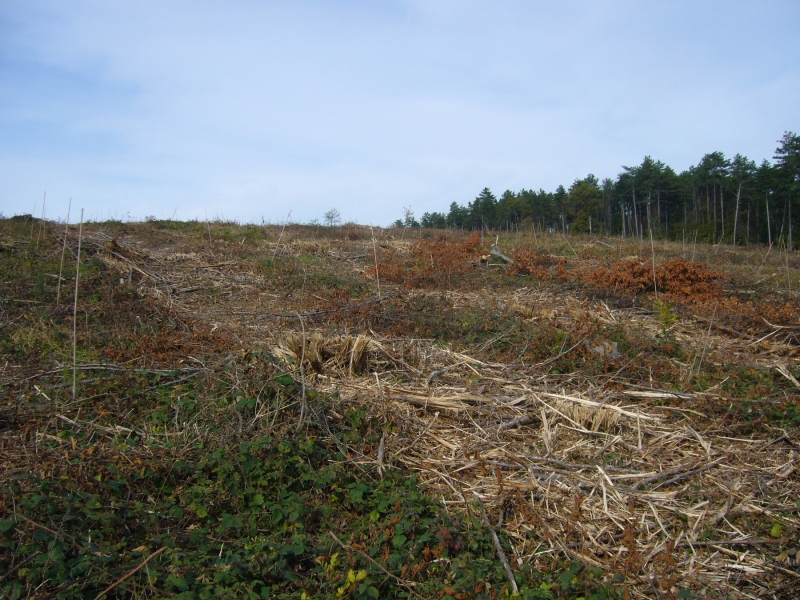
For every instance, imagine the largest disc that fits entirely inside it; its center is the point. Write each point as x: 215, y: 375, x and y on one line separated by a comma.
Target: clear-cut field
x: 624, y: 415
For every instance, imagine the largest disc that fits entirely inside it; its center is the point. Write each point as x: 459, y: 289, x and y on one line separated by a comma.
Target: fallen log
x: 502, y: 256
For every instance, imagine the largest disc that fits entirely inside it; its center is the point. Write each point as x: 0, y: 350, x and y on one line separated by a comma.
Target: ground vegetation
x: 339, y: 412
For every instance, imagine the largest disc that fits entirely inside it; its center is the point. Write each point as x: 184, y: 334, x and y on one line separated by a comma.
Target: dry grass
x: 648, y: 470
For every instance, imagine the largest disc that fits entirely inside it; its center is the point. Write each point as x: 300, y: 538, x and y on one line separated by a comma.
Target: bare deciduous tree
x: 332, y: 217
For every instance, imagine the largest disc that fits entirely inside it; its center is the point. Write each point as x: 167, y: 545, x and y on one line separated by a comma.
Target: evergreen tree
x: 787, y: 161
x: 718, y: 200
x: 583, y: 204
x: 482, y: 209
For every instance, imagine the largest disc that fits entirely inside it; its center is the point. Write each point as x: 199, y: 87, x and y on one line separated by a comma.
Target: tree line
x: 732, y: 201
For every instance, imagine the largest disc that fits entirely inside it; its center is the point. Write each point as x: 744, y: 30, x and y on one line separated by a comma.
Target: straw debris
x: 667, y: 489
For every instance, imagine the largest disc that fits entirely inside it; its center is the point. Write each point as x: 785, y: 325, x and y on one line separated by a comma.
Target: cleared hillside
x: 260, y: 412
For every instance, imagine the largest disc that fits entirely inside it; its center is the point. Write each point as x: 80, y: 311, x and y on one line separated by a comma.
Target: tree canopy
x: 733, y: 201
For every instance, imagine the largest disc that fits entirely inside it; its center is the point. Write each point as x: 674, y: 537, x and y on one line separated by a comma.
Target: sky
x: 279, y: 111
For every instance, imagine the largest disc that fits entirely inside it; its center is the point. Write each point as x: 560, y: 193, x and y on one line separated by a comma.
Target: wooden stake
x: 75, y: 309
x: 41, y: 226
x: 63, y: 250
x: 375, y: 253
x: 280, y: 237
x: 653, y: 250
x: 788, y: 281
x: 708, y: 340
x: 302, y: 374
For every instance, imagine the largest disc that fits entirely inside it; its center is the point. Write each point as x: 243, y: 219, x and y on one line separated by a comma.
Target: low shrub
x: 678, y: 278
x: 433, y: 263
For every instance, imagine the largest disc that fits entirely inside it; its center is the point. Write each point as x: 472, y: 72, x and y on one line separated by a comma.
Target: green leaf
x: 398, y: 540
x: 285, y: 380
x: 258, y: 499
x: 776, y: 530
x: 201, y: 511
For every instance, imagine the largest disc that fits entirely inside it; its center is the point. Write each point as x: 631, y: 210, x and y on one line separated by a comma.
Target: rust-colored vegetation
x: 528, y: 261
x: 432, y: 263
x: 678, y: 278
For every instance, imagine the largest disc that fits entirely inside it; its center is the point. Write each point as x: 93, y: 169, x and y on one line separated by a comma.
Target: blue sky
x: 251, y: 109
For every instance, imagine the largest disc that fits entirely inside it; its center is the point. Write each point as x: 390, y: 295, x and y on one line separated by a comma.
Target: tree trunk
x: 769, y: 228
x: 747, y: 236
x: 714, y: 239
x: 658, y: 207
x: 736, y: 214
x: 684, y: 212
x: 501, y: 256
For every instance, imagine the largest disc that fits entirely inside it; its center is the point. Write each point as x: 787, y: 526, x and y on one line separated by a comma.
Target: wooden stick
x: 788, y: 281
x: 779, y: 327
x: 619, y: 409
x: 302, y: 374
x: 783, y: 438
x: 653, y: 248
x: 523, y: 420
x: 14, y: 569
x: 667, y: 473
x: 570, y: 245
x: 692, y: 472
x: 57, y: 534
x: 75, y: 310
x: 708, y: 339
x: 377, y: 272
x: 560, y: 355
x: 765, y: 259
x: 63, y: 250
x: 280, y: 237
x: 130, y: 573
x: 499, y: 547
x: 42, y: 226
